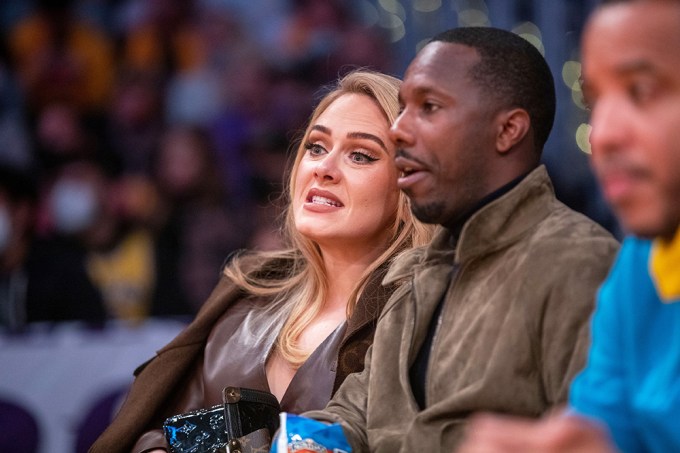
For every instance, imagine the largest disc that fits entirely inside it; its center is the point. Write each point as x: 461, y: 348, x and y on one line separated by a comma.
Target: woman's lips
x: 317, y: 199
x: 322, y: 201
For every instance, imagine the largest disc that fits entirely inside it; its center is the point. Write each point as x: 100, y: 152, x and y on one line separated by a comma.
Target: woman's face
x: 346, y: 191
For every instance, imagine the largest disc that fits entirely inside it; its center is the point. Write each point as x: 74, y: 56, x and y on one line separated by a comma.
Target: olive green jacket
x: 519, y: 289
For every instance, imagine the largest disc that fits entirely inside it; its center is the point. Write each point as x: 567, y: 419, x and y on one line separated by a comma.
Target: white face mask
x: 73, y: 205
x: 5, y: 228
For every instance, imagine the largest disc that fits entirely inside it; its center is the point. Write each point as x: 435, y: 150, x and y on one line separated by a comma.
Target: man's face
x: 444, y: 134
x: 631, y: 71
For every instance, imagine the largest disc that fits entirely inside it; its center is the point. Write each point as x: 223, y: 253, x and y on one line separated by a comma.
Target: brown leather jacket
x: 153, y: 394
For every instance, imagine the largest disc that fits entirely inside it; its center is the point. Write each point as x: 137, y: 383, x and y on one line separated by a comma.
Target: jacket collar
x: 496, y: 225
x: 370, y: 303
x: 505, y: 220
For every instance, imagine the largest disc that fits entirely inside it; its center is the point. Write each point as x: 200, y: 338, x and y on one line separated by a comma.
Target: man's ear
x: 513, y: 127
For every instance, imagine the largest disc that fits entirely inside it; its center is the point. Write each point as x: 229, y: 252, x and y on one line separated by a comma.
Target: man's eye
x: 641, y: 92
x: 430, y: 107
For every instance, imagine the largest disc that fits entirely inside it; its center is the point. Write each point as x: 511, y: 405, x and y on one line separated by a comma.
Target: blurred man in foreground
x: 631, y: 384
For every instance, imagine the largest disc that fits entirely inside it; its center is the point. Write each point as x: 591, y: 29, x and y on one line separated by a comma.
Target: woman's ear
x: 513, y: 127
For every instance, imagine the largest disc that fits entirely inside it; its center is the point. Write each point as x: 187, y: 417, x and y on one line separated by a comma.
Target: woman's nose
x: 328, y: 168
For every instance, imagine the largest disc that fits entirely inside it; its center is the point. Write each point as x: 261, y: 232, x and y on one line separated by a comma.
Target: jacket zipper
x: 449, y: 289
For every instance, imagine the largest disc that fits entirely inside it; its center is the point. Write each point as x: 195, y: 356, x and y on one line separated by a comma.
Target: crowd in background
x: 144, y: 141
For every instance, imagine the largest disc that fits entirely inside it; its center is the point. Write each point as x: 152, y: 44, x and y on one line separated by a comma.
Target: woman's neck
x: 343, y: 272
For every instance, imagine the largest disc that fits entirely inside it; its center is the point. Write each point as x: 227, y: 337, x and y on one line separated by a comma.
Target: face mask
x: 5, y: 228
x: 73, y: 205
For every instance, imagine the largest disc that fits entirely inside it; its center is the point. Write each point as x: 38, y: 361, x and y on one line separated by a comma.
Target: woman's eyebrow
x: 320, y: 128
x: 367, y: 136
x: 353, y: 135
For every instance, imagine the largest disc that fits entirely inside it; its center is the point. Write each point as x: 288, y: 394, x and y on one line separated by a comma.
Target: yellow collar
x: 664, y: 268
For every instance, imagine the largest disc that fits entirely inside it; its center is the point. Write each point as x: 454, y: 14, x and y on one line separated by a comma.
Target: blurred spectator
x: 201, y: 228
x: 196, y: 95
x: 17, y: 204
x: 135, y: 121
x: 320, y: 38
x: 313, y: 32
x: 160, y: 37
x: 60, y: 287
x: 99, y: 261
x: 61, y: 58
x: 14, y: 140
x: 248, y: 116
x: 363, y: 47
x: 61, y: 135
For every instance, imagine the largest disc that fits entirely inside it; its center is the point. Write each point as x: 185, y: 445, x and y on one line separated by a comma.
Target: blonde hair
x: 304, y: 288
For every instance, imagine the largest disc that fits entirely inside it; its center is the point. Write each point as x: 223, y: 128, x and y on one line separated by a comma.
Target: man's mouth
x: 407, y: 171
x: 406, y: 163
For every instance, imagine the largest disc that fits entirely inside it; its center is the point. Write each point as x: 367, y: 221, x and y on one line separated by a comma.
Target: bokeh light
x: 394, y: 7
x: 531, y: 32
x: 583, y: 137
x: 571, y: 75
x: 473, y: 18
x: 422, y: 43
x: 427, y: 6
x: 472, y: 13
x: 395, y: 25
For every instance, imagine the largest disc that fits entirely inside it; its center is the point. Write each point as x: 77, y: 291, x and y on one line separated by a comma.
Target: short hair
x: 512, y: 72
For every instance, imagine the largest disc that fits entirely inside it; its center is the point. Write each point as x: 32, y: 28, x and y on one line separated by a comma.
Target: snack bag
x: 303, y: 435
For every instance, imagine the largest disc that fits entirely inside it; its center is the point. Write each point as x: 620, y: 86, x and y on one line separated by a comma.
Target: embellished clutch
x: 245, y: 422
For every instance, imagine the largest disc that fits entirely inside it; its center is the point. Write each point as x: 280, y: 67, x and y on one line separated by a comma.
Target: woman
x: 294, y: 322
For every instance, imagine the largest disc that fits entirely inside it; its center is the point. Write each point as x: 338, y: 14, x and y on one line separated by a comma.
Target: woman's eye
x: 314, y: 149
x: 361, y: 158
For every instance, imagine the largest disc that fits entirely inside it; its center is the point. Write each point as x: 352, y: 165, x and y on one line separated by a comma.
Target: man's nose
x: 610, y: 122
x: 401, y: 131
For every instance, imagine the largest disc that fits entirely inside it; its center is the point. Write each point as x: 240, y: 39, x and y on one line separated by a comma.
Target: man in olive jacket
x: 493, y: 315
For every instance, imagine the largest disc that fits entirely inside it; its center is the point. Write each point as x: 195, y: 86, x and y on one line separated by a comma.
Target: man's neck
x: 456, y: 227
